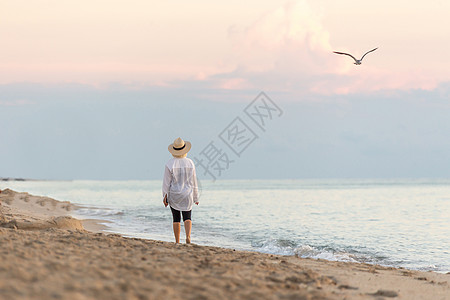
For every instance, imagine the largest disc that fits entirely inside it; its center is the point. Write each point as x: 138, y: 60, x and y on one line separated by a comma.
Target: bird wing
x: 368, y: 52
x: 346, y: 54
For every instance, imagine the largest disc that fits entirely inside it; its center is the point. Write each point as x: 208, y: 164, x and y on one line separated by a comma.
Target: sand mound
x: 25, y: 211
x: 35, y: 204
x: 63, y: 222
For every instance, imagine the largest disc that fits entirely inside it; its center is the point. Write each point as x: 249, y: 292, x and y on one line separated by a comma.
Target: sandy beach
x: 46, y: 254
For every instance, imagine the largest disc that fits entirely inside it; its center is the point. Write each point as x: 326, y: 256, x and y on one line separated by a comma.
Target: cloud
x: 289, y: 50
x: 290, y: 36
x: 77, y: 131
x: 286, y: 50
x: 282, y: 47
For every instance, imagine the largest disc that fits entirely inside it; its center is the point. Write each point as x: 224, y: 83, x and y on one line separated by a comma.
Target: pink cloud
x: 290, y: 36
x: 289, y: 49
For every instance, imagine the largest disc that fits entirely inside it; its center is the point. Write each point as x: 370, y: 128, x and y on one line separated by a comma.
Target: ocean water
x: 400, y: 223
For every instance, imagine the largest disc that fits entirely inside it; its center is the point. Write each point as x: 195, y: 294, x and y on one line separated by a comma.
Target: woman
x: 179, y: 188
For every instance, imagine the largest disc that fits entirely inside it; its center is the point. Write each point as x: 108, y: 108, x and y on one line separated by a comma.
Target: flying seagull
x: 357, y: 61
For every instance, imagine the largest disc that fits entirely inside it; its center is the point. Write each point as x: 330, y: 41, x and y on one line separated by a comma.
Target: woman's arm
x: 195, y: 188
x: 167, y: 180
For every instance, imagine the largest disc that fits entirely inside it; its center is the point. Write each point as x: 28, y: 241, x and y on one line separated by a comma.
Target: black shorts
x: 176, y: 214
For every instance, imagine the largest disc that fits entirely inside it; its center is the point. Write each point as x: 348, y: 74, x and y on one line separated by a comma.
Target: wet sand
x: 46, y: 254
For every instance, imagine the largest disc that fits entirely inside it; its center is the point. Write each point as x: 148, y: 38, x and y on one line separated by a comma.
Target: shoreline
x: 46, y: 254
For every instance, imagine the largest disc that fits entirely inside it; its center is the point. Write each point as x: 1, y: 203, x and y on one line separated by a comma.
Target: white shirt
x: 180, y: 183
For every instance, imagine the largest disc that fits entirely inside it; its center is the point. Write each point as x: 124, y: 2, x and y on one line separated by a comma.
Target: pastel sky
x: 76, y: 77
x: 159, y: 42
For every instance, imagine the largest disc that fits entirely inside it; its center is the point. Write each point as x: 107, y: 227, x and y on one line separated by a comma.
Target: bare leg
x: 188, y: 227
x: 176, y: 231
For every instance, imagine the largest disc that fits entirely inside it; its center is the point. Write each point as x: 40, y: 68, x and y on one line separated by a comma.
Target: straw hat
x: 179, y: 147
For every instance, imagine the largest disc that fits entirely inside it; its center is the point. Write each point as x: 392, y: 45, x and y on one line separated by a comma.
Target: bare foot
x: 188, y: 240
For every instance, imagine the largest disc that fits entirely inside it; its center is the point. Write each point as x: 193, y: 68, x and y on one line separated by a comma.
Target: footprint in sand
x: 347, y: 287
x: 385, y: 293
x: 421, y: 278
